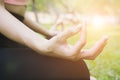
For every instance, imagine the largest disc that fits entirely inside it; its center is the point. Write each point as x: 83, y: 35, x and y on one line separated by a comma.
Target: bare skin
x: 57, y: 46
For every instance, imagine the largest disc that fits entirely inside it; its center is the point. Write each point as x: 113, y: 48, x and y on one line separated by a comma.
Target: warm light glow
x: 98, y: 21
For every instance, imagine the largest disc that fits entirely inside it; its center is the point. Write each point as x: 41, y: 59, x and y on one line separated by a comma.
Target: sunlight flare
x: 98, y: 21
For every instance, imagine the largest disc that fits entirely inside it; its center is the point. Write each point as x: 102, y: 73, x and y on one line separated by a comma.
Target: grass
x: 107, y: 65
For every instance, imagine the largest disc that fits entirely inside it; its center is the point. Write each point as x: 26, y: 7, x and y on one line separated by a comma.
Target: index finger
x: 80, y: 44
x: 69, y: 32
x: 95, y: 50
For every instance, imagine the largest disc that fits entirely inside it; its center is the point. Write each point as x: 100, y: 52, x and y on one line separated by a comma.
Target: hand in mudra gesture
x: 59, y: 47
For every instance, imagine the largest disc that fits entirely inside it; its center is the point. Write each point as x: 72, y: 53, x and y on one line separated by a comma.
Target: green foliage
x: 43, y: 5
x: 82, y: 6
x: 107, y: 65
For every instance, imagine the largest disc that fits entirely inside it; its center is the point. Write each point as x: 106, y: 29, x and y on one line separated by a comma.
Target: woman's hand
x: 92, y: 53
x: 58, y: 45
x: 54, y: 29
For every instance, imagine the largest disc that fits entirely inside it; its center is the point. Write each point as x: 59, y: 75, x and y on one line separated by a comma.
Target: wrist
x: 50, y: 35
x: 43, y: 46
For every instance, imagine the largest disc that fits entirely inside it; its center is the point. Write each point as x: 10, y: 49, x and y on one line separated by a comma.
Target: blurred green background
x: 102, y: 16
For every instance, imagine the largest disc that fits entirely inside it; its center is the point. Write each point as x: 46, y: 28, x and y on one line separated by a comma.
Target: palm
x: 59, y: 46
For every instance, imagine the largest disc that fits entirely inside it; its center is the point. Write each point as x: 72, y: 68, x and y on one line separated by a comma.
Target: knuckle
x: 70, y: 31
x: 92, y: 57
x: 83, y: 42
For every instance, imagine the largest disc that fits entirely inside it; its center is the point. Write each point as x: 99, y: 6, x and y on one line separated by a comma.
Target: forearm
x: 17, y: 31
x: 36, y: 27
